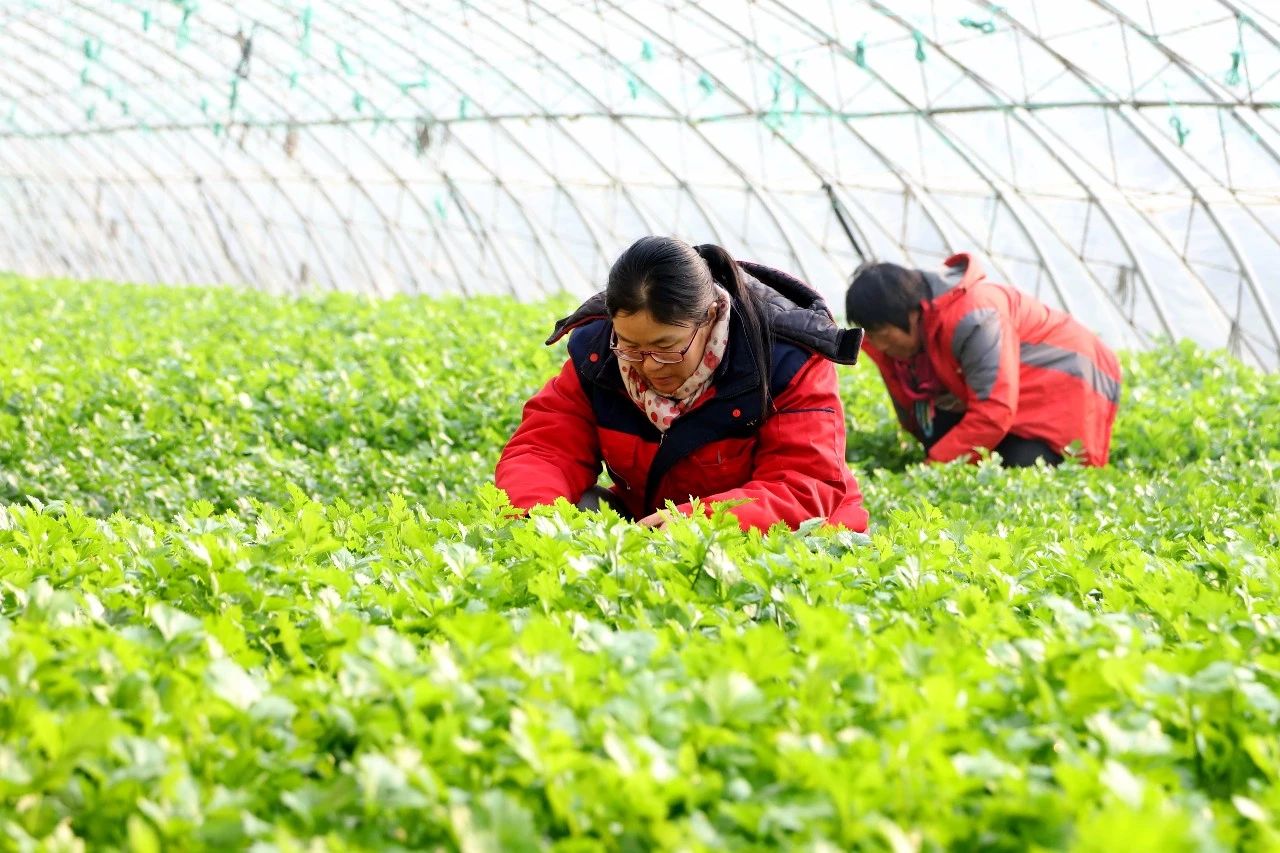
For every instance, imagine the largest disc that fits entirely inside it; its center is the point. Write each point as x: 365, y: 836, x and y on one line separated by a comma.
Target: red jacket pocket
x: 621, y: 453
x: 716, y: 467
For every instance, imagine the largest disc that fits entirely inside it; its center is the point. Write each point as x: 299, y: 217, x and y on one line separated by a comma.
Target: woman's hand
x: 658, y: 519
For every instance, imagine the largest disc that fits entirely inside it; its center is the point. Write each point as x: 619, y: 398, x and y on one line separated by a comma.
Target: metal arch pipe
x: 999, y: 97
x: 631, y: 133
x: 181, y: 157
x: 1197, y: 74
x: 1245, y: 267
x: 911, y: 187
x: 1000, y: 194
x: 540, y: 238
x: 455, y: 231
x: 635, y: 205
x: 88, y: 153
x: 10, y: 247
x: 978, y: 169
x: 1218, y: 94
x: 623, y: 127
x: 1203, y: 79
x: 473, y: 221
x: 37, y: 248
x: 408, y: 193
x: 674, y: 116
x: 1118, y: 109
x: 1130, y: 115
x: 18, y: 183
x: 392, y: 233
x: 728, y: 161
x: 320, y: 188
x: 74, y: 191
x: 1256, y: 13
x: 482, y: 236
x: 1258, y: 115
x: 260, y: 60
x: 917, y: 191
x: 587, y: 222
x: 921, y: 198
x: 391, y: 230
x: 1024, y: 120
x: 1265, y: 32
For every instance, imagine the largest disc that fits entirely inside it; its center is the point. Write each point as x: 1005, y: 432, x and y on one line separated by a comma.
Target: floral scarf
x: 661, y: 409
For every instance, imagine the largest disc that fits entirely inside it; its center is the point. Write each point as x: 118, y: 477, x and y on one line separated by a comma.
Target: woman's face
x: 641, y: 332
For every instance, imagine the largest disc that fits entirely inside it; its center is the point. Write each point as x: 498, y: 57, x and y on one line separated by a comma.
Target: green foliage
x: 143, y: 399
x: 254, y: 590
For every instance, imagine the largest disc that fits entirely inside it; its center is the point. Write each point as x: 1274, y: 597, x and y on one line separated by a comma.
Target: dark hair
x: 883, y: 294
x: 673, y: 281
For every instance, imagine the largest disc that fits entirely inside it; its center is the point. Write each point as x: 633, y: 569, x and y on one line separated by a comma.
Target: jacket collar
x: 958, y: 274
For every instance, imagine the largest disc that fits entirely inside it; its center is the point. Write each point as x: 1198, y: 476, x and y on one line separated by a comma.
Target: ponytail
x: 726, y: 272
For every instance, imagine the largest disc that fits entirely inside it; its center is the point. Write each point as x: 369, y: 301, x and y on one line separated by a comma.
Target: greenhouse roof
x: 1119, y: 159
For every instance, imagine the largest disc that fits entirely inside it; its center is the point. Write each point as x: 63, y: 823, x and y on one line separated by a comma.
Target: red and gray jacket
x: 1015, y: 365
x: 788, y: 467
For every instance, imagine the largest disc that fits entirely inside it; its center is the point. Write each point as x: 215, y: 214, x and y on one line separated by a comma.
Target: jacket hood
x: 959, y: 272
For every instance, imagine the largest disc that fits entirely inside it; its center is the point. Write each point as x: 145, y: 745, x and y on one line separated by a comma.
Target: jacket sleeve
x: 985, y: 345
x: 555, y: 452
x: 799, y: 471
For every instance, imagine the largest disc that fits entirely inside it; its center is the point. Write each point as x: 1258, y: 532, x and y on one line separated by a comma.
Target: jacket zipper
x: 617, y: 478
x: 824, y: 409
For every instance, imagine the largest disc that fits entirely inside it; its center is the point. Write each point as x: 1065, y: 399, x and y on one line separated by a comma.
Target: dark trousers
x: 1015, y: 451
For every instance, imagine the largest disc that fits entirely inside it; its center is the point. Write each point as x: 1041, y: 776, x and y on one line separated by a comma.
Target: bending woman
x: 693, y: 375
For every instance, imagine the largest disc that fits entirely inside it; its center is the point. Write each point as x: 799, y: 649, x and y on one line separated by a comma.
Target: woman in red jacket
x: 972, y: 364
x: 693, y: 375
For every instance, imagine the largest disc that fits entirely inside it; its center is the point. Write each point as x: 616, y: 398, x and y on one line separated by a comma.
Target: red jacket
x: 1016, y: 365
x: 789, y: 469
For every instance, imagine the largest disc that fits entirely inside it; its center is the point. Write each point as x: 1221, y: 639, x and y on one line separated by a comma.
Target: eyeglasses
x: 658, y: 356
